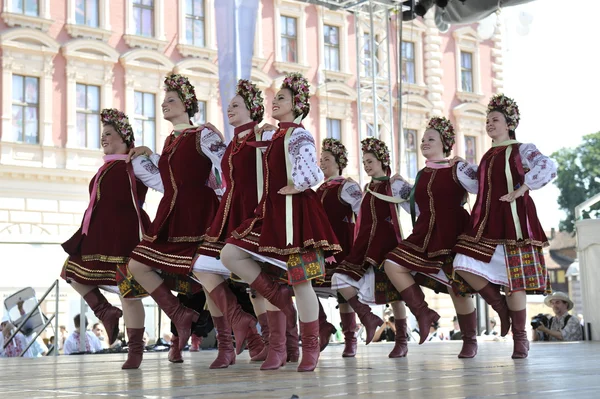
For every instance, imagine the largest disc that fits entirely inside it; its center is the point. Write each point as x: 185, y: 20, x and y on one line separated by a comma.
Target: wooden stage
x: 553, y: 370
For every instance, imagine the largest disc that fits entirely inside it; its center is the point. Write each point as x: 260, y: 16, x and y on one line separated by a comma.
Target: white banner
x: 236, y: 24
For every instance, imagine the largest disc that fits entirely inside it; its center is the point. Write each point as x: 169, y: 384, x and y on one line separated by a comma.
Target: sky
x: 553, y: 73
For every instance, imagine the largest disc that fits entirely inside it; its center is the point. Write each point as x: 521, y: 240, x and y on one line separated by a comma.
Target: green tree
x: 578, y: 178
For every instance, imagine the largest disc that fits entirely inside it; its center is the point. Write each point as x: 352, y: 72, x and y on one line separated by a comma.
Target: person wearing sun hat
x: 502, y: 245
x: 563, y: 326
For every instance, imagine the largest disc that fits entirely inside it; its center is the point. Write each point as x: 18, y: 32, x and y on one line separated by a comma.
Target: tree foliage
x: 578, y: 178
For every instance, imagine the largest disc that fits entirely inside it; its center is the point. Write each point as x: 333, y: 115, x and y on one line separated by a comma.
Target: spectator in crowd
x: 387, y: 331
x: 18, y: 343
x: 100, y: 333
x: 455, y: 333
x: 562, y: 326
x: 434, y: 335
x: 92, y: 343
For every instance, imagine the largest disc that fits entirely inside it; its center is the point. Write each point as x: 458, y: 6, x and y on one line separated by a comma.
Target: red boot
x: 310, y: 345
x: 255, y: 344
x: 107, y: 313
x: 264, y: 328
x: 277, y: 294
x: 292, y: 343
x: 196, y: 342
x: 468, y: 331
x: 326, y: 329
x: 175, y: 351
x: 491, y: 294
x: 520, y: 341
x: 277, y: 351
x: 181, y: 316
x: 368, y: 319
x: 135, y: 353
x: 400, y: 347
x: 226, y: 355
x: 349, y: 329
x: 241, y: 322
x: 415, y: 300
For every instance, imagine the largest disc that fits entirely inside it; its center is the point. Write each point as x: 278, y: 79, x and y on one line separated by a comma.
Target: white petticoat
x: 208, y: 264
x: 440, y: 276
x: 494, y: 272
x: 365, y: 286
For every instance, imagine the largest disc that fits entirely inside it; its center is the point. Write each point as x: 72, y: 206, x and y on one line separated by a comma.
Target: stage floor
x: 432, y: 370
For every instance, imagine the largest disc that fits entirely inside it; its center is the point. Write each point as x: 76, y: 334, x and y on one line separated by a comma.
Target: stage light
x: 441, y: 3
x: 423, y: 6
x: 408, y: 10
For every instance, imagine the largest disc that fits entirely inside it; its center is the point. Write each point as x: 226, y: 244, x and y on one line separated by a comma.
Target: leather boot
x: 520, y: 341
x: 196, y: 342
x: 277, y: 294
x: 400, y: 346
x: 277, y: 352
x: 264, y: 329
x: 181, y: 316
x: 292, y: 345
x: 415, y: 300
x: 349, y: 329
x: 491, y: 294
x: 175, y: 355
x: 326, y: 329
x: 255, y: 344
x: 107, y: 313
x: 367, y: 318
x: 310, y: 345
x: 135, y: 353
x: 226, y: 354
x: 468, y: 331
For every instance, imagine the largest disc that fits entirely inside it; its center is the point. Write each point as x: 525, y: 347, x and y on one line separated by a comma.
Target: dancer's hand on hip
x: 510, y: 197
x: 288, y: 190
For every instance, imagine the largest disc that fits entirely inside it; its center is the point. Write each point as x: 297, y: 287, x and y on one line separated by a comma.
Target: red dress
x: 114, y: 228
x: 377, y: 235
x: 186, y: 209
x: 266, y: 232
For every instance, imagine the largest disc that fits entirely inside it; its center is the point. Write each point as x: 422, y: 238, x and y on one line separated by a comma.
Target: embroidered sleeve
x: 303, y: 156
x: 146, y: 171
x: 212, y: 146
x: 572, y: 331
x: 539, y: 169
x: 402, y: 188
x: 352, y: 195
x: 467, y: 176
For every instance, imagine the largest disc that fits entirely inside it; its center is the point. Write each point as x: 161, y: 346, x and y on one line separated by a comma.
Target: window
x: 367, y: 53
x: 332, y: 47
x: 410, y: 140
x: 289, y: 39
x: 466, y: 71
x: 87, y: 13
x: 334, y: 128
x: 88, y: 116
x: 143, y: 17
x: 194, y: 22
x: 25, y: 109
x: 471, y: 149
x: 408, y: 62
x: 144, y: 123
x: 200, y: 117
x: 27, y: 7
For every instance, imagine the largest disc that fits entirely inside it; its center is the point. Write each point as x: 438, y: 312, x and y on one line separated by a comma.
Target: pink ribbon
x: 441, y: 164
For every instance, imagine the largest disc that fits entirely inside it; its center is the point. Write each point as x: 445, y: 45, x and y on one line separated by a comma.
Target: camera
x: 538, y: 320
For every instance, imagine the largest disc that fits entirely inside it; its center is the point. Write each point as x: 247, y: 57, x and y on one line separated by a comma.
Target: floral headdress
x: 120, y: 121
x: 252, y: 97
x: 444, y: 127
x: 508, y: 107
x: 338, y: 150
x: 300, y: 92
x: 185, y: 90
x: 377, y: 148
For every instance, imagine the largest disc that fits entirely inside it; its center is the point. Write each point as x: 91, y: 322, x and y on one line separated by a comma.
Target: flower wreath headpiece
x: 508, y: 107
x: 185, y: 90
x: 378, y: 148
x: 116, y: 118
x: 444, y: 127
x: 299, y: 87
x: 338, y: 150
x: 252, y: 97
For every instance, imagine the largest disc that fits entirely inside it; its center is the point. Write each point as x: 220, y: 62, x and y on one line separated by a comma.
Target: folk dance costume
x: 242, y: 175
x: 97, y: 250
x: 378, y: 232
x: 503, y: 241
x: 341, y: 200
x: 187, y: 208
x: 436, y: 204
x: 288, y: 231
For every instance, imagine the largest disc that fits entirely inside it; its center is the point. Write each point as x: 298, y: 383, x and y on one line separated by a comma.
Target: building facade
x: 63, y: 61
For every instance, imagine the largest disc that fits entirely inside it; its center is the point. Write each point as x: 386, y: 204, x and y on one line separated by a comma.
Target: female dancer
x: 241, y: 165
x: 359, y: 278
x: 97, y: 249
x: 503, y: 243
x: 438, y: 196
x: 287, y: 229
x: 187, y: 207
x: 341, y: 199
